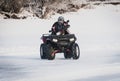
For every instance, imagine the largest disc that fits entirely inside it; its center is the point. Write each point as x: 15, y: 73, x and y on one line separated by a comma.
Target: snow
x: 1, y: 16
x: 25, y: 13
x: 97, y: 32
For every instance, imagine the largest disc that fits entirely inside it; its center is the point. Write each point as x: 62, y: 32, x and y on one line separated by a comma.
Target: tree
x: 12, y: 6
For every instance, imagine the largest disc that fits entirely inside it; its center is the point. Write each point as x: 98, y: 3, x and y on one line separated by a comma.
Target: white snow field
x: 98, y: 35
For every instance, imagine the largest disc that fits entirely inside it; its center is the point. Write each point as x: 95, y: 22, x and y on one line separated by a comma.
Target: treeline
x: 41, y: 8
x: 14, y: 6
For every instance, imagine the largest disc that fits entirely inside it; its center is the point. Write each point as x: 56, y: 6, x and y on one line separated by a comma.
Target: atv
x: 53, y: 44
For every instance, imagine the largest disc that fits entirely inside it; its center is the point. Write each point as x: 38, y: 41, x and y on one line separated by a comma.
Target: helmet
x: 60, y: 18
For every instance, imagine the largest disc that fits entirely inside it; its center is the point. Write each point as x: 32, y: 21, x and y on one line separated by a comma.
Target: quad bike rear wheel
x: 75, y: 51
x: 50, y: 51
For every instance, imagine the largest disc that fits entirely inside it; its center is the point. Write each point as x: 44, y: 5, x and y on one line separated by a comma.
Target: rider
x: 60, y: 26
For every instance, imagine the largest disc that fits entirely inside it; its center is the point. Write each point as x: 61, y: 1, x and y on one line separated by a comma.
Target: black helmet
x: 60, y: 18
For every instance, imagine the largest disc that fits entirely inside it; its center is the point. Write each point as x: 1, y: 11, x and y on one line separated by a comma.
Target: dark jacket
x: 59, y: 27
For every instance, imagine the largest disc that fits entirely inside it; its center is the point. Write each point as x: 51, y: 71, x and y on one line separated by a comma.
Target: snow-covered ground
x: 98, y: 35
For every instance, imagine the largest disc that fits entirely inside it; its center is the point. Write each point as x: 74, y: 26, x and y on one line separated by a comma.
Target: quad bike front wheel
x: 75, y: 51
x: 43, y: 53
x: 67, y: 54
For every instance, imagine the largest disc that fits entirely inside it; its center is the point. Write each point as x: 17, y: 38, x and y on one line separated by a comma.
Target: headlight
x: 58, y: 33
x: 72, y: 39
x: 54, y: 40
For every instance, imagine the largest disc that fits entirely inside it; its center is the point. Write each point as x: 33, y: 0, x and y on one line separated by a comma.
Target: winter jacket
x: 59, y: 27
